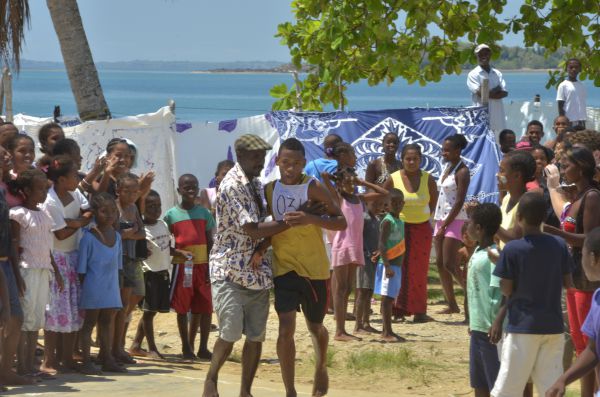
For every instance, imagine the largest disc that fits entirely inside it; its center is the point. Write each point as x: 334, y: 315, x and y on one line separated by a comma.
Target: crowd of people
x: 81, y: 251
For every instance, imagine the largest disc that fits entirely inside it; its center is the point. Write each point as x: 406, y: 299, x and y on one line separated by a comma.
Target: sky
x: 177, y: 30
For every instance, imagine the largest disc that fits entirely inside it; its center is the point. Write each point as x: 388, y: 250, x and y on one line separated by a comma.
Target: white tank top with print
x: 447, y: 196
x: 288, y: 198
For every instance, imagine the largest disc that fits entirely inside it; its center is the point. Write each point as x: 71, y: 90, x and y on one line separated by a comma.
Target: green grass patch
x: 435, y: 294
x: 398, y: 361
x: 331, y: 353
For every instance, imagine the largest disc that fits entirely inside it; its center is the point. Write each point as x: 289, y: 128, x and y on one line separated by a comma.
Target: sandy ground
x: 434, y: 363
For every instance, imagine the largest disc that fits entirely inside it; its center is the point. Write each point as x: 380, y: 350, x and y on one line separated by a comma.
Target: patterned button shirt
x: 237, y: 205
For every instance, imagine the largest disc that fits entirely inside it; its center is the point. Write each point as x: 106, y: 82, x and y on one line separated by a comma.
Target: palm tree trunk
x: 78, y: 60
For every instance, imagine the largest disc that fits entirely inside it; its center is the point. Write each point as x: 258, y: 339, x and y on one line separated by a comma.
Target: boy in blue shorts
x: 590, y: 357
x: 533, y: 270
x: 388, y: 277
x: 485, y: 299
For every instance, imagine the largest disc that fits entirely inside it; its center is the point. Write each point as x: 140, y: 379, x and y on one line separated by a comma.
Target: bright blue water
x: 226, y: 96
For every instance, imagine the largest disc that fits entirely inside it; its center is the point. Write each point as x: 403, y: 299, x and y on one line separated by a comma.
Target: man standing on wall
x: 495, y: 84
x: 571, y: 95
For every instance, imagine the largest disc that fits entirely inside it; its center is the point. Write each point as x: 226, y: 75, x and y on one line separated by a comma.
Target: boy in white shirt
x: 156, y: 275
x: 571, y: 95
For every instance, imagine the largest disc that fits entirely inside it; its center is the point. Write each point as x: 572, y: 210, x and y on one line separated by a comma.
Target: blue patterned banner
x: 426, y: 127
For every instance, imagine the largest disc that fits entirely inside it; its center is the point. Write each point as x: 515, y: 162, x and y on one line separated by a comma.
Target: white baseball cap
x: 481, y: 47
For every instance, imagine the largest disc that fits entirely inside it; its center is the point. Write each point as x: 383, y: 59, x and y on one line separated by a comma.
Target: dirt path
x: 433, y: 362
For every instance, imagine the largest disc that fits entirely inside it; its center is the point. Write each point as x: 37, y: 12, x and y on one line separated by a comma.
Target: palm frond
x: 14, y: 18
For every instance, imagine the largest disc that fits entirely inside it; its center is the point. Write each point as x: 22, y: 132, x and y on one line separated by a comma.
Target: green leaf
x: 279, y: 91
x: 337, y: 42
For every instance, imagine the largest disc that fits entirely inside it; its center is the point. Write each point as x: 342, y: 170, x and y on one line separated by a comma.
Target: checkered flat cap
x: 251, y: 142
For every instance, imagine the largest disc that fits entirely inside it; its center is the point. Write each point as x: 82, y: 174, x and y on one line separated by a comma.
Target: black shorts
x: 157, y: 297
x: 293, y: 292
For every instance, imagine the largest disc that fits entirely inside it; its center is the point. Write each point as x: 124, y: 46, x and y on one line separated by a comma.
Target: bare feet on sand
x: 361, y: 331
x: 154, y: 355
x: 346, y: 337
x: 422, y: 318
x: 449, y: 310
x: 366, y: 330
x: 210, y: 389
x: 89, y: 369
x: 321, y: 384
x: 123, y: 358
x: 137, y: 352
x: 204, y: 355
x: 112, y: 366
x: 48, y: 370
x: 392, y: 338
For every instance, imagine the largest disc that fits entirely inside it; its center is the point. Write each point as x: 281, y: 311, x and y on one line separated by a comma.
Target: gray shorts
x: 365, y: 275
x: 240, y: 311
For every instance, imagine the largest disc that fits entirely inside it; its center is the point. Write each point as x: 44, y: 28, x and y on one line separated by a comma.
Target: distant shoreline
x: 268, y: 71
x: 244, y: 71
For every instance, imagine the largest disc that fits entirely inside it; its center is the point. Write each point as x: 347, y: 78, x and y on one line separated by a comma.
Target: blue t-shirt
x: 591, y: 326
x: 536, y: 264
x: 315, y: 167
x: 100, y: 264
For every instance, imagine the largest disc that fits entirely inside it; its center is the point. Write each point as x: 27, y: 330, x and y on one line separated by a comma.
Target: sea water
x: 223, y: 96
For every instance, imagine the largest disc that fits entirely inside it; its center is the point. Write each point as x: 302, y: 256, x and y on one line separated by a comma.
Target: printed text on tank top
x: 288, y: 198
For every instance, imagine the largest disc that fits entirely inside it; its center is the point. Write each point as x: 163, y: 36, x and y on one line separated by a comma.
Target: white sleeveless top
x: 447, y: 197
x: 288, y: 198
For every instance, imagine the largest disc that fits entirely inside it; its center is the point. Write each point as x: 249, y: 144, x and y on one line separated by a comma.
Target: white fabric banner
x: 150, y: 132
x: 171, y: 148
x: 199, y: 147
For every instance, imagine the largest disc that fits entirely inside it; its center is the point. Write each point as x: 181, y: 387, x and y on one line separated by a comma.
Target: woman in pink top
x: 347, y: 245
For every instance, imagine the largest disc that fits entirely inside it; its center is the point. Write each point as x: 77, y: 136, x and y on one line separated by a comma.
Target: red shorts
x: 578, y: 307
x: 196, y: 298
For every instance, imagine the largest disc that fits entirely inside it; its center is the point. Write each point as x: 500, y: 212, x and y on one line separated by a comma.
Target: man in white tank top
x: 301, y: 267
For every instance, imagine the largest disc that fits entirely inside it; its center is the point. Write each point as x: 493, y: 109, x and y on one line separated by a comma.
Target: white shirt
x: 159, y: 244
x: 496, y: 107
x: 54, y: 207
x: 574, y: 95
x: 35, y: 237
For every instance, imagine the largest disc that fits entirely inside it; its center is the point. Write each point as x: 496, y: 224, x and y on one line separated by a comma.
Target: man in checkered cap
x: 496, y: 87
x: 240, y: 274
